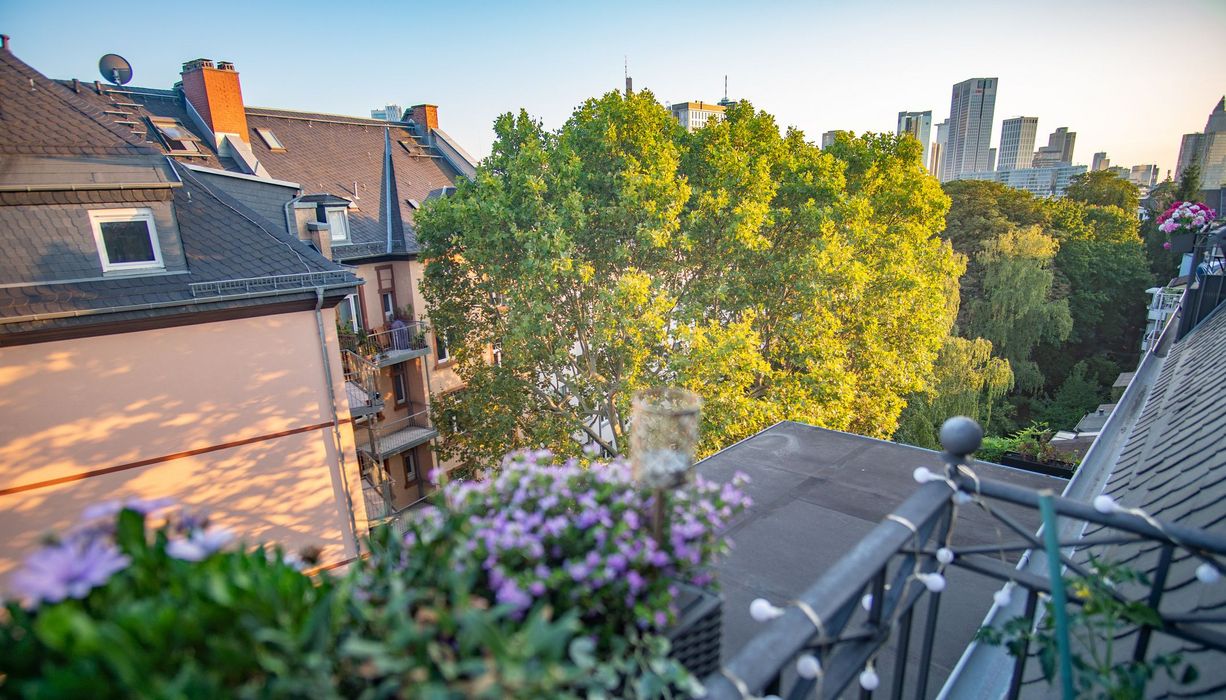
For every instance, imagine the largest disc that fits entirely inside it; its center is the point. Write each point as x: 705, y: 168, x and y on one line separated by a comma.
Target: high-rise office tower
x: 1207, y: 148
x: 1100, y: 162
x: 1017, y: 143
x: 390, y: 113
x: 919, y: 125
x: 971, y: 108
x: 1058, y: 151
x: 936, y: 165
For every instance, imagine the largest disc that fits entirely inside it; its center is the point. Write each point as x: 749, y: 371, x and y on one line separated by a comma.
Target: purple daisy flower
x: 67, y: 570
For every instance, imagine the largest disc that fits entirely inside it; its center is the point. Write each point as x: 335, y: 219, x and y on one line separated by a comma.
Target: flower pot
x: 1182, y: 243
x: 696, y: 637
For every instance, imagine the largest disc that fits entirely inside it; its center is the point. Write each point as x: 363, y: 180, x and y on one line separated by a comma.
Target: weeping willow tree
x: 967, y: 381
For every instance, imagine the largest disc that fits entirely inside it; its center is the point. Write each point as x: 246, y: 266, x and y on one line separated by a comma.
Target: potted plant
x: 1182, y: 221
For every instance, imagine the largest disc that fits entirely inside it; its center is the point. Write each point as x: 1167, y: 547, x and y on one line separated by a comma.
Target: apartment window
x: 127, y: 239
x: 338, y: 222
x: 389, y: 306
x: 270, y: 139
x: 176, y: 137
x: 349, y: 313
x: 410, y: 466
x: 441, y: 349
x: 400, y: 385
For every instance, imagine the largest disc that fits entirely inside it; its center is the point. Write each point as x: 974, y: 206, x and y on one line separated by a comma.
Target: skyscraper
x: 1017, y: 143
x: 1058, y: 151
x: 971, y: 108
x: 390, y: 113
x: 919, y: 125
x: 936, y: 165
x: 1207, y: 148
x: 1100, y: 162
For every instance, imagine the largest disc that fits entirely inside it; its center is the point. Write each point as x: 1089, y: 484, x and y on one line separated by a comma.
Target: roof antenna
x: 725, y: 87
x: 629, y: 82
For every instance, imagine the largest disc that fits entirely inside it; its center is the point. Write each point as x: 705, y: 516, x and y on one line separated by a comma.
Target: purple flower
x: 67, y: 570
x: 510, y: 594
x: 199, y: 544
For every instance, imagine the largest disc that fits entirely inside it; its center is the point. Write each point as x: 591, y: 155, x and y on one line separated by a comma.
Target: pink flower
x: 1167, y: 245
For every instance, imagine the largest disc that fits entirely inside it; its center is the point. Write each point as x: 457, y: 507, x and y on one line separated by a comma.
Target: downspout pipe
x: 336, y: 420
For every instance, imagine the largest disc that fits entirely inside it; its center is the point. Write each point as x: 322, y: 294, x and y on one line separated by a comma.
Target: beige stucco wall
x: 69, y: 408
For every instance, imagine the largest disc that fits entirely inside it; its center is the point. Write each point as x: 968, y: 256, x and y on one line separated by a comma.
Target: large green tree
x: 777, y: 280
x: 1104, y: 188
x: 1017, y: 309
x: 967, y: 381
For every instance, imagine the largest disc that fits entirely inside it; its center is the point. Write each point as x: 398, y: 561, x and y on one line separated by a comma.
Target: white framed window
x: 127, y: 239
x: 400, y: 389
x: 349, y: 313
x: 388, y: 299
x: 177, y: 138
x: 410, y: 466
x: 338, y: 221
x: 442, y: 352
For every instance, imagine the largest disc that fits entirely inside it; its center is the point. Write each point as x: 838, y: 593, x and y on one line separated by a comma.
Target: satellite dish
x: 115, y: 68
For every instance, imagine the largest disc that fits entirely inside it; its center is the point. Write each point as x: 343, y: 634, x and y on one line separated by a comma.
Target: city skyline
x: 477, y: 61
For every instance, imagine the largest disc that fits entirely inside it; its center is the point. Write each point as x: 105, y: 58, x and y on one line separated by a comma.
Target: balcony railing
x: 398, y: 435
x: 361, y: 384
x: 899, y: 569
x: 389, y: 346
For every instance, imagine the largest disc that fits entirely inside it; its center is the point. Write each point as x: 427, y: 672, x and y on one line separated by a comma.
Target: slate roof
x: 325, y: 153
x: 221, y: 238
x: 816, y: 494
x: 1173, y: 467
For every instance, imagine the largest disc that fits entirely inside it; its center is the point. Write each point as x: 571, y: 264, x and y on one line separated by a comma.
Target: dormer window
x: 270, y: 139
x: 127, y: 239
x: 338, y: 221
x: 177, y: 138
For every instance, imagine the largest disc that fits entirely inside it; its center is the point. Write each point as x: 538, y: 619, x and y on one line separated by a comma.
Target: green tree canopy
x: 1017, y: 310
x: 777, y: 280
x: 967, y: 381
x: 1104, y: 188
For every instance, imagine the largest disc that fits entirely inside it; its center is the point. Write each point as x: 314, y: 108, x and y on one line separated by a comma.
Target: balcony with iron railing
x: 361, y: 385
x: 398, y: 434
x: 402, y: 341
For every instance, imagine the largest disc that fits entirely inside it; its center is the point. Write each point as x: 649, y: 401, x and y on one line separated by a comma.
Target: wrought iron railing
x: 840, y: 631
x: 361, y: 382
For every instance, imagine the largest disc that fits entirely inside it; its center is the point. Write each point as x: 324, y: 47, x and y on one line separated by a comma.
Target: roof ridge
x: 360, y: 121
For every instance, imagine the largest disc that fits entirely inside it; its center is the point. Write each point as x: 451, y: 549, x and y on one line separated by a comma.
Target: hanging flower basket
x: 1184, y: 218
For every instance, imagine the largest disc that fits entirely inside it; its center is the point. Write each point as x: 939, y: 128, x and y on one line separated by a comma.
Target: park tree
x: 1017, y: 309
x: 1103, y: 188
x: 777, y: 280
x: 967, y: 381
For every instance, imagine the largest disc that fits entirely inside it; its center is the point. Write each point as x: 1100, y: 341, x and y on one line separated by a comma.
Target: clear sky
x: 1129, y: 77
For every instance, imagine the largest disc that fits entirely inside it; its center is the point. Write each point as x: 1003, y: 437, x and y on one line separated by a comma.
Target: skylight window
x: 270, y: 139
x: 177, y: 138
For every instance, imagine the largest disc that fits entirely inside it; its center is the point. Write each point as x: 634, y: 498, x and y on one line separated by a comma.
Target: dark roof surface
x: 816, y: 494
x: 221, y: 239
x: 38, y: 117
x: 324, y: 153
x: 1173, y: 467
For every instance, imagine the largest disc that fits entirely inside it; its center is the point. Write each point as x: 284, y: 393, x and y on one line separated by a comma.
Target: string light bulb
x: 762, y: 610
x: 807, y: 666
x: 869, y: 679
x: 945, y: 555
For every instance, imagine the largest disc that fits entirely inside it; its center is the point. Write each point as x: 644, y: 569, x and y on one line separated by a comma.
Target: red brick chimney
x: 426, y: 116
x: 215, y: 93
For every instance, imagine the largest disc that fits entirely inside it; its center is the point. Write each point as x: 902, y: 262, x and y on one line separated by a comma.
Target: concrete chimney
x: 215, y: 94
